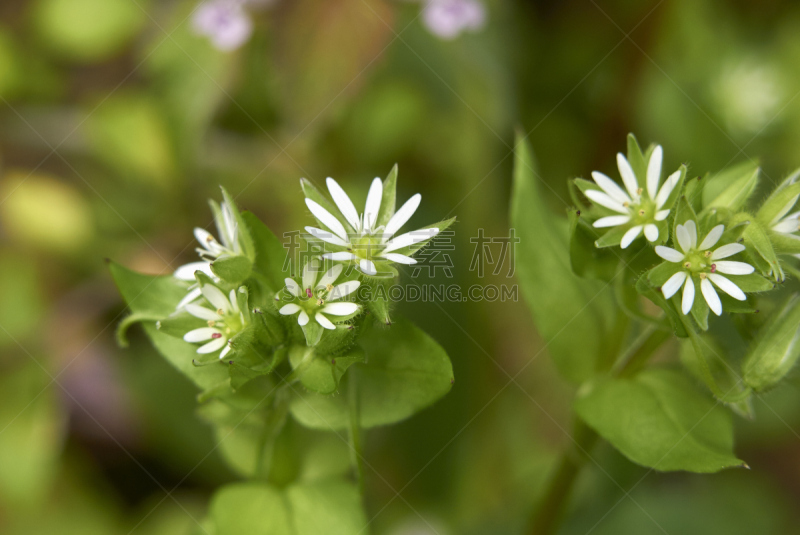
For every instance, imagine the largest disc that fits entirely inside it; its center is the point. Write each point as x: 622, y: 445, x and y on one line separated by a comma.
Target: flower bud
x: 776, y: 351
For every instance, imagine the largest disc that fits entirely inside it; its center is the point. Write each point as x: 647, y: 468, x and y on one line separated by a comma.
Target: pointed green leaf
x: 270, y: 255
x: 232, y: 269
x: 389, y: 199
x: 731, y: 188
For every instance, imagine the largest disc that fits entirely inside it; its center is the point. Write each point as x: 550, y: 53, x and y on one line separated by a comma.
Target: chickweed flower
x: 210, y: 248
x: 317, y: 298
x: 700, y: 265
x: 638, y: 208
x: 225, y: 320
x: 359, y: 238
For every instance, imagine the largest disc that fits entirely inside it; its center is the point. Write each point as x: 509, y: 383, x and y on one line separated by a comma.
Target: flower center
x: 697, y: 262
x: 365, y: 247
x: 643, y: 212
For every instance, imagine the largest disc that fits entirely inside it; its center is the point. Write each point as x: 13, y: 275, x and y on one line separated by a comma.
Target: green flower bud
x: 776, y: 350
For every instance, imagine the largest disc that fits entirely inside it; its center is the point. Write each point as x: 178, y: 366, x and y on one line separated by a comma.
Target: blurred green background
x: 118, y: 121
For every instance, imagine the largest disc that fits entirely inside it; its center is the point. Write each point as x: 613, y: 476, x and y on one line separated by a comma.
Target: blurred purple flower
x: 448, y: 18
x: 225, y: 22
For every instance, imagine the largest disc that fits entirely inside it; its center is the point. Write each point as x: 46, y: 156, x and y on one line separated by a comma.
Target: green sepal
x: 587, y: 260
x: 637, y: 159
x: 785, y: 193
x: 179, y: 323
x: 662, y: 272
x: 785, y: 244
x: 441, y: 225
x: 379, y: 304
x: 244, y: 238
x: 683, y: 213
x: 731, y: 188
x: 611, y: 238
x: 752, y: 283
x: 272, y: 331
x: 648, y: 291
x: 389, y: 197
x: 699, y: 306
x: 756, y: 237
x: 312, y: 331
x: 232, y: 269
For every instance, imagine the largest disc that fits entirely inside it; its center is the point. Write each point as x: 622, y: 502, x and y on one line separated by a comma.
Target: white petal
x: 629, y: 236
x: 669, y: 254
x: 302, y: 318
x: 602, y: 199
x: 666, y: 189
x: 734, y: 268
x: 325, y: 322
x: 651, y: 232
x: 628, y: 177
x: 216, y: 297
x: 688, y: 296
x: 288, y: 310
x: 225, y: 351
x: 310, y: 272
x: 367, y: 267
x: 191, y: 296
x: 330, y: 276
x: 186, y: 271
x: 727, y: 286
x: 212, y: 346
x: 654, y: 171
x: 343, y: 256
x: 343, y: 290
x: 207, y: 240
x: 712, y: 238
x: 399, y: 258
x: 292, y: 286
x: 327, y: 236
x: 343, y: 202
x: 202, y: 312
x: 684, y: 240
x: 373, y: 205
x: 410, y: 238
x: 611, y: 221
x: 727, y: 250
x: 711, y: 297
x: 673, y: 284
x: 401, y: 216
x: 325, y: 217
x: 787, y: 226
x: 340, y: 309
x: 234, y: 302
x: 200, y: 335
x: 661, y: 215
x: 691, y: 228
x: 610, y: 187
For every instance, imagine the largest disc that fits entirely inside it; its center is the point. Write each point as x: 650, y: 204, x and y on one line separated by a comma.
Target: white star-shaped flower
x: 318, y: 298
x: 367, y: 242
x: 700, y: 263
x: 211, y: 248
x: 639, y: 207
x: 224, y: 322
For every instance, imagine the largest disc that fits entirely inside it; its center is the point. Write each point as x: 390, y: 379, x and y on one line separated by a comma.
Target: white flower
x: 316, y: 298
x: 369, y: 242
x: 639, y: 207
x: 211, y: 249
x: 701, y: 264
x: 224, y: 321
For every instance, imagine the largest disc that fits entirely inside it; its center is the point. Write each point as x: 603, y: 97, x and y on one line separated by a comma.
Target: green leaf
x: 731, y: 188
x: 777, y: 348
x: 329, y: 506
x: 405, y: 371
x: 270, y: 255
x: 561, y: 302
x: 157, y: 296
x: 389, y: 198
x: 232, y: 269
x: 659, y: 420
x: 320, y: 372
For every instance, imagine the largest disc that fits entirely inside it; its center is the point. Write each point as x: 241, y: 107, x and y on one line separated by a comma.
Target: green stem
x: 356, y: 451
x: 550, y: 510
